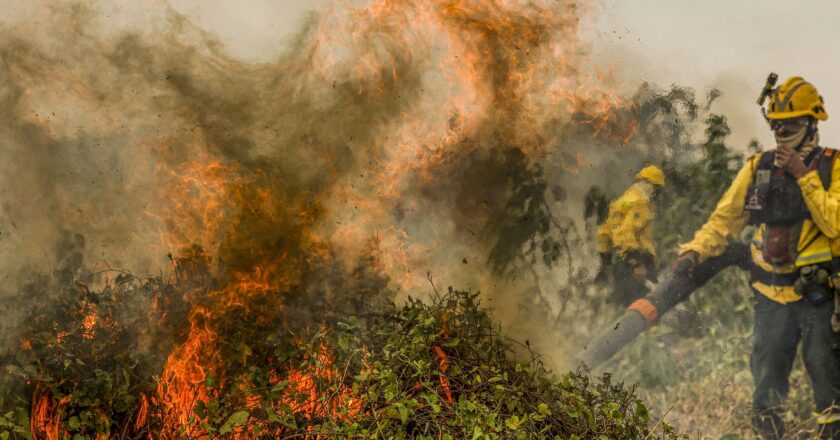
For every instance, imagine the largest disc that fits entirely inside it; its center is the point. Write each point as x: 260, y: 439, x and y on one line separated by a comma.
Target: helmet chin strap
x: 810, y: 132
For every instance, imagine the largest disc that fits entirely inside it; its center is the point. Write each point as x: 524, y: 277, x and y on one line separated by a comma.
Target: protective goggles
x: 789, y: 125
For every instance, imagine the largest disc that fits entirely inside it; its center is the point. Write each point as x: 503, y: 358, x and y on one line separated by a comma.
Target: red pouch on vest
x: 777, y: 245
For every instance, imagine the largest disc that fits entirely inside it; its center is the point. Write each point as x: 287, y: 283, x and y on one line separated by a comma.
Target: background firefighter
x: 792, y: 196
x: 625, y: 239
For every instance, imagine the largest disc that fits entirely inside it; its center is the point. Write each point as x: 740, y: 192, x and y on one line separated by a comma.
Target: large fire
x: 345, y: 152
x: 501, y: 63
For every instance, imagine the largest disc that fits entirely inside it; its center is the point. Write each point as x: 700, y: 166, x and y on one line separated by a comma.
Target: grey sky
x: 731, y: 45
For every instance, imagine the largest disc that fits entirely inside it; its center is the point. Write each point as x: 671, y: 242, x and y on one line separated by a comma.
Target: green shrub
x: 424, y: 370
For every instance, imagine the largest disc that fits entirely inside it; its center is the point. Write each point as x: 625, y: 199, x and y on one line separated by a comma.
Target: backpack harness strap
x: 825, y: 163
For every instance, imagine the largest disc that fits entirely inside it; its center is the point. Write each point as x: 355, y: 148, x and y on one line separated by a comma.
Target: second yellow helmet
x: 652, y: 174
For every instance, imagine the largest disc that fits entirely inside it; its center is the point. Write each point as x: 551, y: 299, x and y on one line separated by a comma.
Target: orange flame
x: 183, y: 382
x: 142, y: 413
x: 343, y: 403
x: 443, y: 364
x: 503, y: 64
x: 46, y: 414
x: 89, y: 324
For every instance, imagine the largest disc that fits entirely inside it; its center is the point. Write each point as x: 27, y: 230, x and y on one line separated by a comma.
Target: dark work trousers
x: 626, y: 287
x: 778, y: 330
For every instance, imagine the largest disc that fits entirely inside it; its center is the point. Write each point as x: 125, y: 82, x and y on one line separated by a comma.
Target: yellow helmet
x: 796, y: 98
x: 652, y: 174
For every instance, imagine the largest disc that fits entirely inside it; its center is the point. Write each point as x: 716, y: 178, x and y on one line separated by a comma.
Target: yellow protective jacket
x: 629, y: 223
x: 819, y: 238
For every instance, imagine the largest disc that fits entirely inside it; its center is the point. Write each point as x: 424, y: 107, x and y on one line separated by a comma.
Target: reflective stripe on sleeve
x: 813, y: 257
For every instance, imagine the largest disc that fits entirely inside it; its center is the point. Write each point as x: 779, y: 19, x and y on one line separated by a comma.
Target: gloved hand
x: 601, y: 277
x: 640, y: 273
x: 687, y: 262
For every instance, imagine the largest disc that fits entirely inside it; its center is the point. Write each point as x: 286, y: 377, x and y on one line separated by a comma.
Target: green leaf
x: 403, y: 412
x: 512, y: 422
x: 449, y: 343
x: 343, y: 342
x: 74, y: 422
x: 235, y: 419
x: 200, y: 409
x: 22, y: 417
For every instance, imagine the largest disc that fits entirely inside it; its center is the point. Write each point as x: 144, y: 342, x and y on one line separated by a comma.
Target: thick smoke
x: 394, y: 144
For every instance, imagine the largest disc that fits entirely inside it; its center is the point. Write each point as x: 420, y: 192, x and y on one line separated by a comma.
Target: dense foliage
x: 423, y: 370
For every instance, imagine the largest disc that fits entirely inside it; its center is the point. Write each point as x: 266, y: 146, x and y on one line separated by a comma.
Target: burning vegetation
x: 297, y: 203
x: 417, y: 371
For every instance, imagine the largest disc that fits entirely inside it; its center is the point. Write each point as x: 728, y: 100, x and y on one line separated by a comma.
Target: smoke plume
x: 395, y: 146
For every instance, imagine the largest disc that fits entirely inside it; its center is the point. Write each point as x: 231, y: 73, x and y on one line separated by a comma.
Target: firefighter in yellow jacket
x: 792, y: 196
x: 624, y: 240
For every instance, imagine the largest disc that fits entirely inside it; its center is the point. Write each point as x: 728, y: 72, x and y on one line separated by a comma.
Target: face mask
x: 793, y: 140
